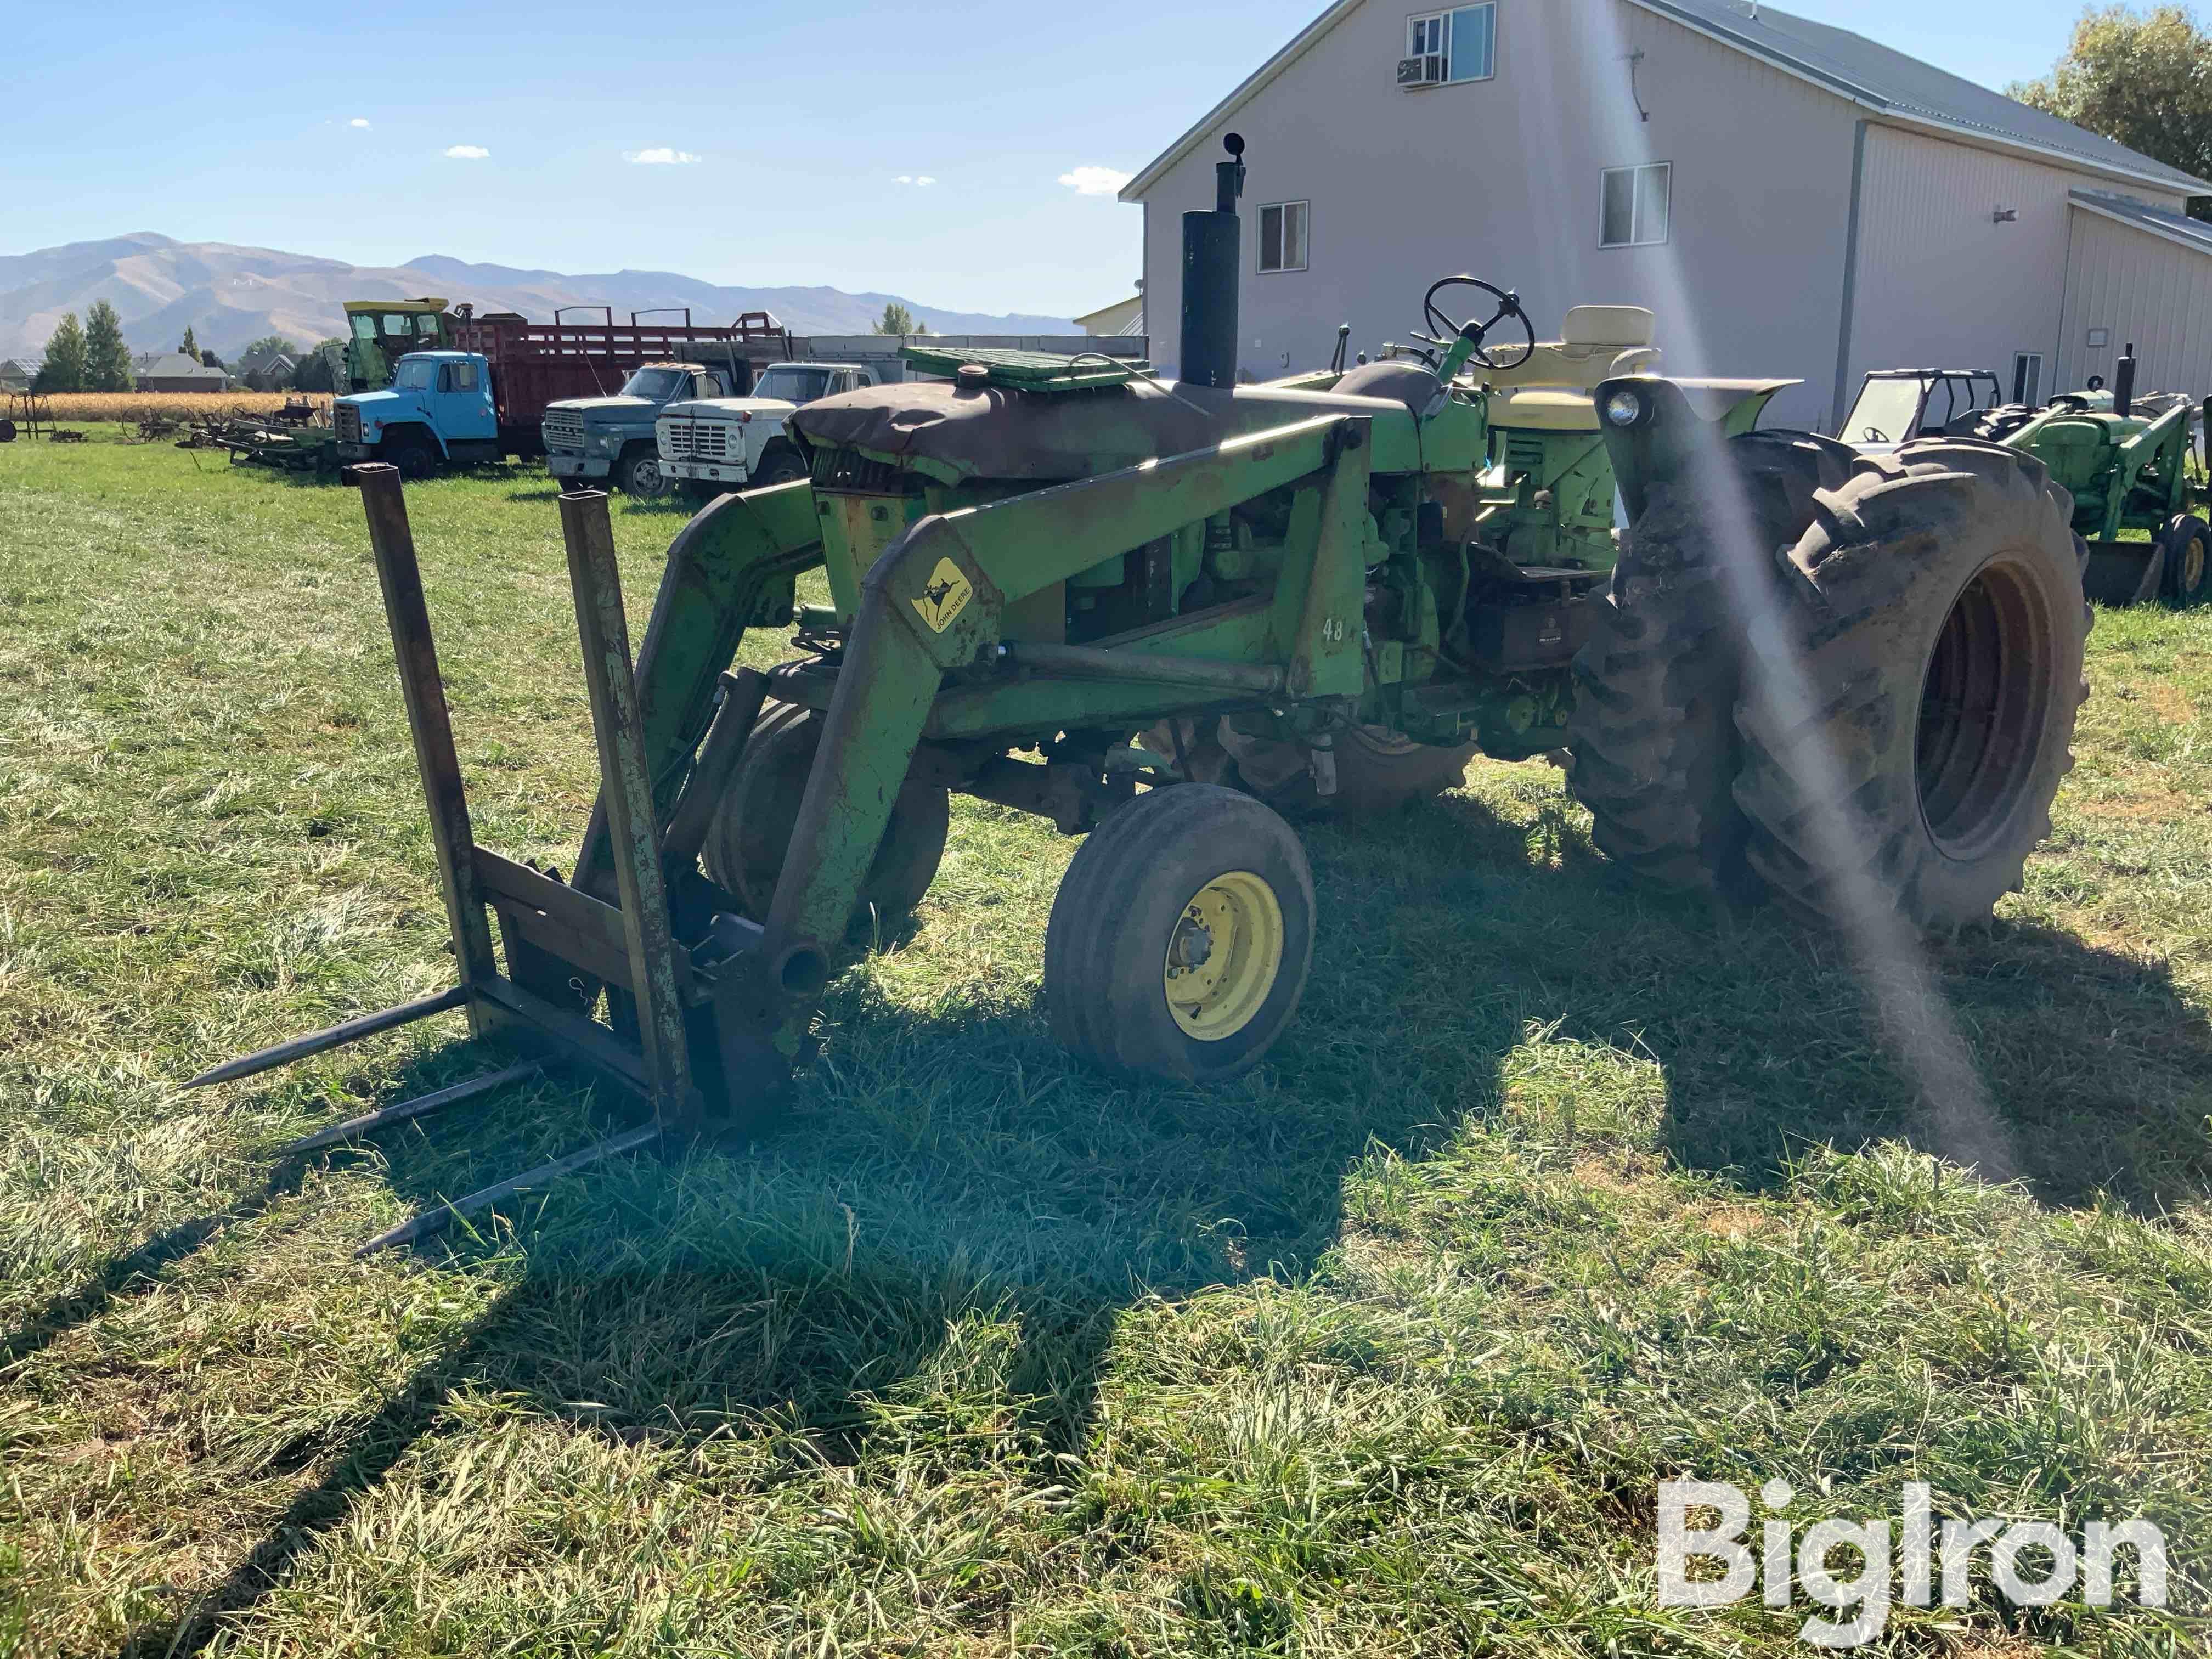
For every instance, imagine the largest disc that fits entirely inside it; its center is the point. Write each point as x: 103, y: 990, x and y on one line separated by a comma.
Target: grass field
x: 1553, y: 1192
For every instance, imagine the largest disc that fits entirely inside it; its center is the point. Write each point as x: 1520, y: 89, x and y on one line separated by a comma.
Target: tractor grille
x: 850, y: 472
x: 345, y: 421
x: 696, y: 440
x: 563, y: 427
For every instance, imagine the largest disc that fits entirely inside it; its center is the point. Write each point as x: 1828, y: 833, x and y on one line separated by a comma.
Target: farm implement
x: 1169, y: 617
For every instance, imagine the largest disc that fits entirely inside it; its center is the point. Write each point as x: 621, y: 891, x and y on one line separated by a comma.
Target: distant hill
x: 230, y: 296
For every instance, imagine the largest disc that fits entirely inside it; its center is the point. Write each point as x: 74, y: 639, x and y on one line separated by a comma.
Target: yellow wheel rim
x: 2192, y: 565
x: 1224, y: 956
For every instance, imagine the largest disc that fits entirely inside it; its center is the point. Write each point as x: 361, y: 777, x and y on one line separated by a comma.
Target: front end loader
x: 1168, y: 616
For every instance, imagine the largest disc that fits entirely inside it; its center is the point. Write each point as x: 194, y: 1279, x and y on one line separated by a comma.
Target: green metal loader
x: 1157, y: 613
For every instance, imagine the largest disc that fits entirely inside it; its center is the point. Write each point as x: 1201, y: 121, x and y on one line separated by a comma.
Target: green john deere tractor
x: 1832, y: 681
x: 2122, y: 456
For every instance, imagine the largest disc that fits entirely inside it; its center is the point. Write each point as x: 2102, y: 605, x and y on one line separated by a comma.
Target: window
x: 1639, y: 204
x: 1465, y: 38
x: 1283, y: 236
x: 2027, y: 378
x: 458, y: 377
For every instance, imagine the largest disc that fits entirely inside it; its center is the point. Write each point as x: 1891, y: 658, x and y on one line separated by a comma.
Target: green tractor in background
x: 2124, y: 456
x: 1151, y: 613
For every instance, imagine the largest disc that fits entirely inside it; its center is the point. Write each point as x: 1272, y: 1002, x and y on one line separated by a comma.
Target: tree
x: 107, y: 359
x: 896, y: 319
x: 2144, y: 79
x: 64, y: 367
x: 189, y: 346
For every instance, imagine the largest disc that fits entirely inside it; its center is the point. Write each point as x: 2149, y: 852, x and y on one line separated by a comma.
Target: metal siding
x: 2147, y: 290
x: 1501, y: 178
x: 1940, y: 283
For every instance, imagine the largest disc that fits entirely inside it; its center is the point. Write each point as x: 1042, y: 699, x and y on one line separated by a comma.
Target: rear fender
x: 1658, y: 428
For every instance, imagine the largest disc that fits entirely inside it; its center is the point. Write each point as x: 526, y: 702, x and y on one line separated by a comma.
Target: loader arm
x: 934, y: 601
x: 734, y: 567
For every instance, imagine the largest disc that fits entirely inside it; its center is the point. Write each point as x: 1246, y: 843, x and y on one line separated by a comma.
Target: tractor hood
x: 381, y: 409
x: 617, y: 404
x: 730, y: 409
x: 954, y: 433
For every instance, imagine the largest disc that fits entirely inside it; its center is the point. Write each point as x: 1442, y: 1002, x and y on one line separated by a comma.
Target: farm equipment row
x: 1154, y: 614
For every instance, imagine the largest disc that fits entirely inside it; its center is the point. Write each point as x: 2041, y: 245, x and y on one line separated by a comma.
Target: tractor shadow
x: 945, y: 1178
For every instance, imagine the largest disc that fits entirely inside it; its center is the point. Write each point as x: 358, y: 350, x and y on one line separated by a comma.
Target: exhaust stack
x: 1213, y: 260
x: 2123, y: 384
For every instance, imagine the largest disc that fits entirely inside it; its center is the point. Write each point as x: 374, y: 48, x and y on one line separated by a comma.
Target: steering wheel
x: 1509, y: 306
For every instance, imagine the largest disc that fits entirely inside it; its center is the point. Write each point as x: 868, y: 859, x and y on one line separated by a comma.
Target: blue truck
x: 486, y: 395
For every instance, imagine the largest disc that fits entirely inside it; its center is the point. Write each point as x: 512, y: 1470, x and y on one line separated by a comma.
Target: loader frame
x: 705, y: 1013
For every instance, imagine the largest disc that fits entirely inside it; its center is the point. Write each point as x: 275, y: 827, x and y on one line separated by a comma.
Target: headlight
x: 1624, y: 408
x: 610, y: 440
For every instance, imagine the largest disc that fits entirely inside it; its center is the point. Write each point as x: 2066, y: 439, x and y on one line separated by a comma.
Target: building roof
x: 172, y: 365
x: 1123, y: 312
x: 1869, y: 74
x: 2177, y: 228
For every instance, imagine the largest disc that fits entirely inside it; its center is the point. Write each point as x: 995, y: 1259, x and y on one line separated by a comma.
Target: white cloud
x: 1096, y: 181
x: 467, y: 153
x: 920, y: 180
x: 663, y: 157
x: 358, y: 121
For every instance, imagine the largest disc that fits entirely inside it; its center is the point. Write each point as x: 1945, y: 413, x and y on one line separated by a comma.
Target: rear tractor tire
x: 751, y: 832
x: 1182, y: 936
x: 1652, y: 745
x: 1902, y: 749
x: 2188, y: 547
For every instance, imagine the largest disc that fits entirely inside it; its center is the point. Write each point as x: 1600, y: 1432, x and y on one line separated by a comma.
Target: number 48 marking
x: 1334, y: 630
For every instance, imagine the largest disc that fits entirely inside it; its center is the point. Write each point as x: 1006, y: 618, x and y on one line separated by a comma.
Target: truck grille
x: 563, y: 427
x: 345, y: 420
x: 695, y: 441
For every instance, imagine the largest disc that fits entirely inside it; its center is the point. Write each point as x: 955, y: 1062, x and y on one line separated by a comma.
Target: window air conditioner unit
x: 1427, y: 71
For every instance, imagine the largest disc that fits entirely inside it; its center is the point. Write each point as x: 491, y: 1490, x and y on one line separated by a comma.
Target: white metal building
x: 1789, y: 198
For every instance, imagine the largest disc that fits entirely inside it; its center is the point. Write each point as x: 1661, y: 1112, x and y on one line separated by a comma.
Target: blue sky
x: 243, y: 124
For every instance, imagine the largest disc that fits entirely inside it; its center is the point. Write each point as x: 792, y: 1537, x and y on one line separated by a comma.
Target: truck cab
x: 710, y: 447
x: 613, y: 438
x: 437, y: 410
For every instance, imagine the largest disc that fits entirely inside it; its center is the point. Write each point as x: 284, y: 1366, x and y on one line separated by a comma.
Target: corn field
x: 67, y: 406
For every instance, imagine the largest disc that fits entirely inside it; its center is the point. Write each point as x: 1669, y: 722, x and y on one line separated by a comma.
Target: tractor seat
x: 1593, y: 343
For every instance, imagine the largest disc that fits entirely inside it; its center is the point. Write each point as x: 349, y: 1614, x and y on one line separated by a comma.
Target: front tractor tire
x: 1182, y: 936
x: 1902, y: 749
x: 2188, y: 547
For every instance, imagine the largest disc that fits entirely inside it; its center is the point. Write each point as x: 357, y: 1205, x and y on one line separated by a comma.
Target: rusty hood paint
x: 955, y: 433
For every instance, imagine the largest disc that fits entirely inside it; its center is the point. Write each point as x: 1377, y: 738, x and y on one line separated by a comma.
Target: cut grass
x: 1552, y: 1192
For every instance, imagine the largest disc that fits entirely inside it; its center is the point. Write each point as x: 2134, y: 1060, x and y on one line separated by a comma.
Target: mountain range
x: 229, y: 296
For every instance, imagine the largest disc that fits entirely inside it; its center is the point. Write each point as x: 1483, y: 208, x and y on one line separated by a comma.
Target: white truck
x: 713, y: 445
